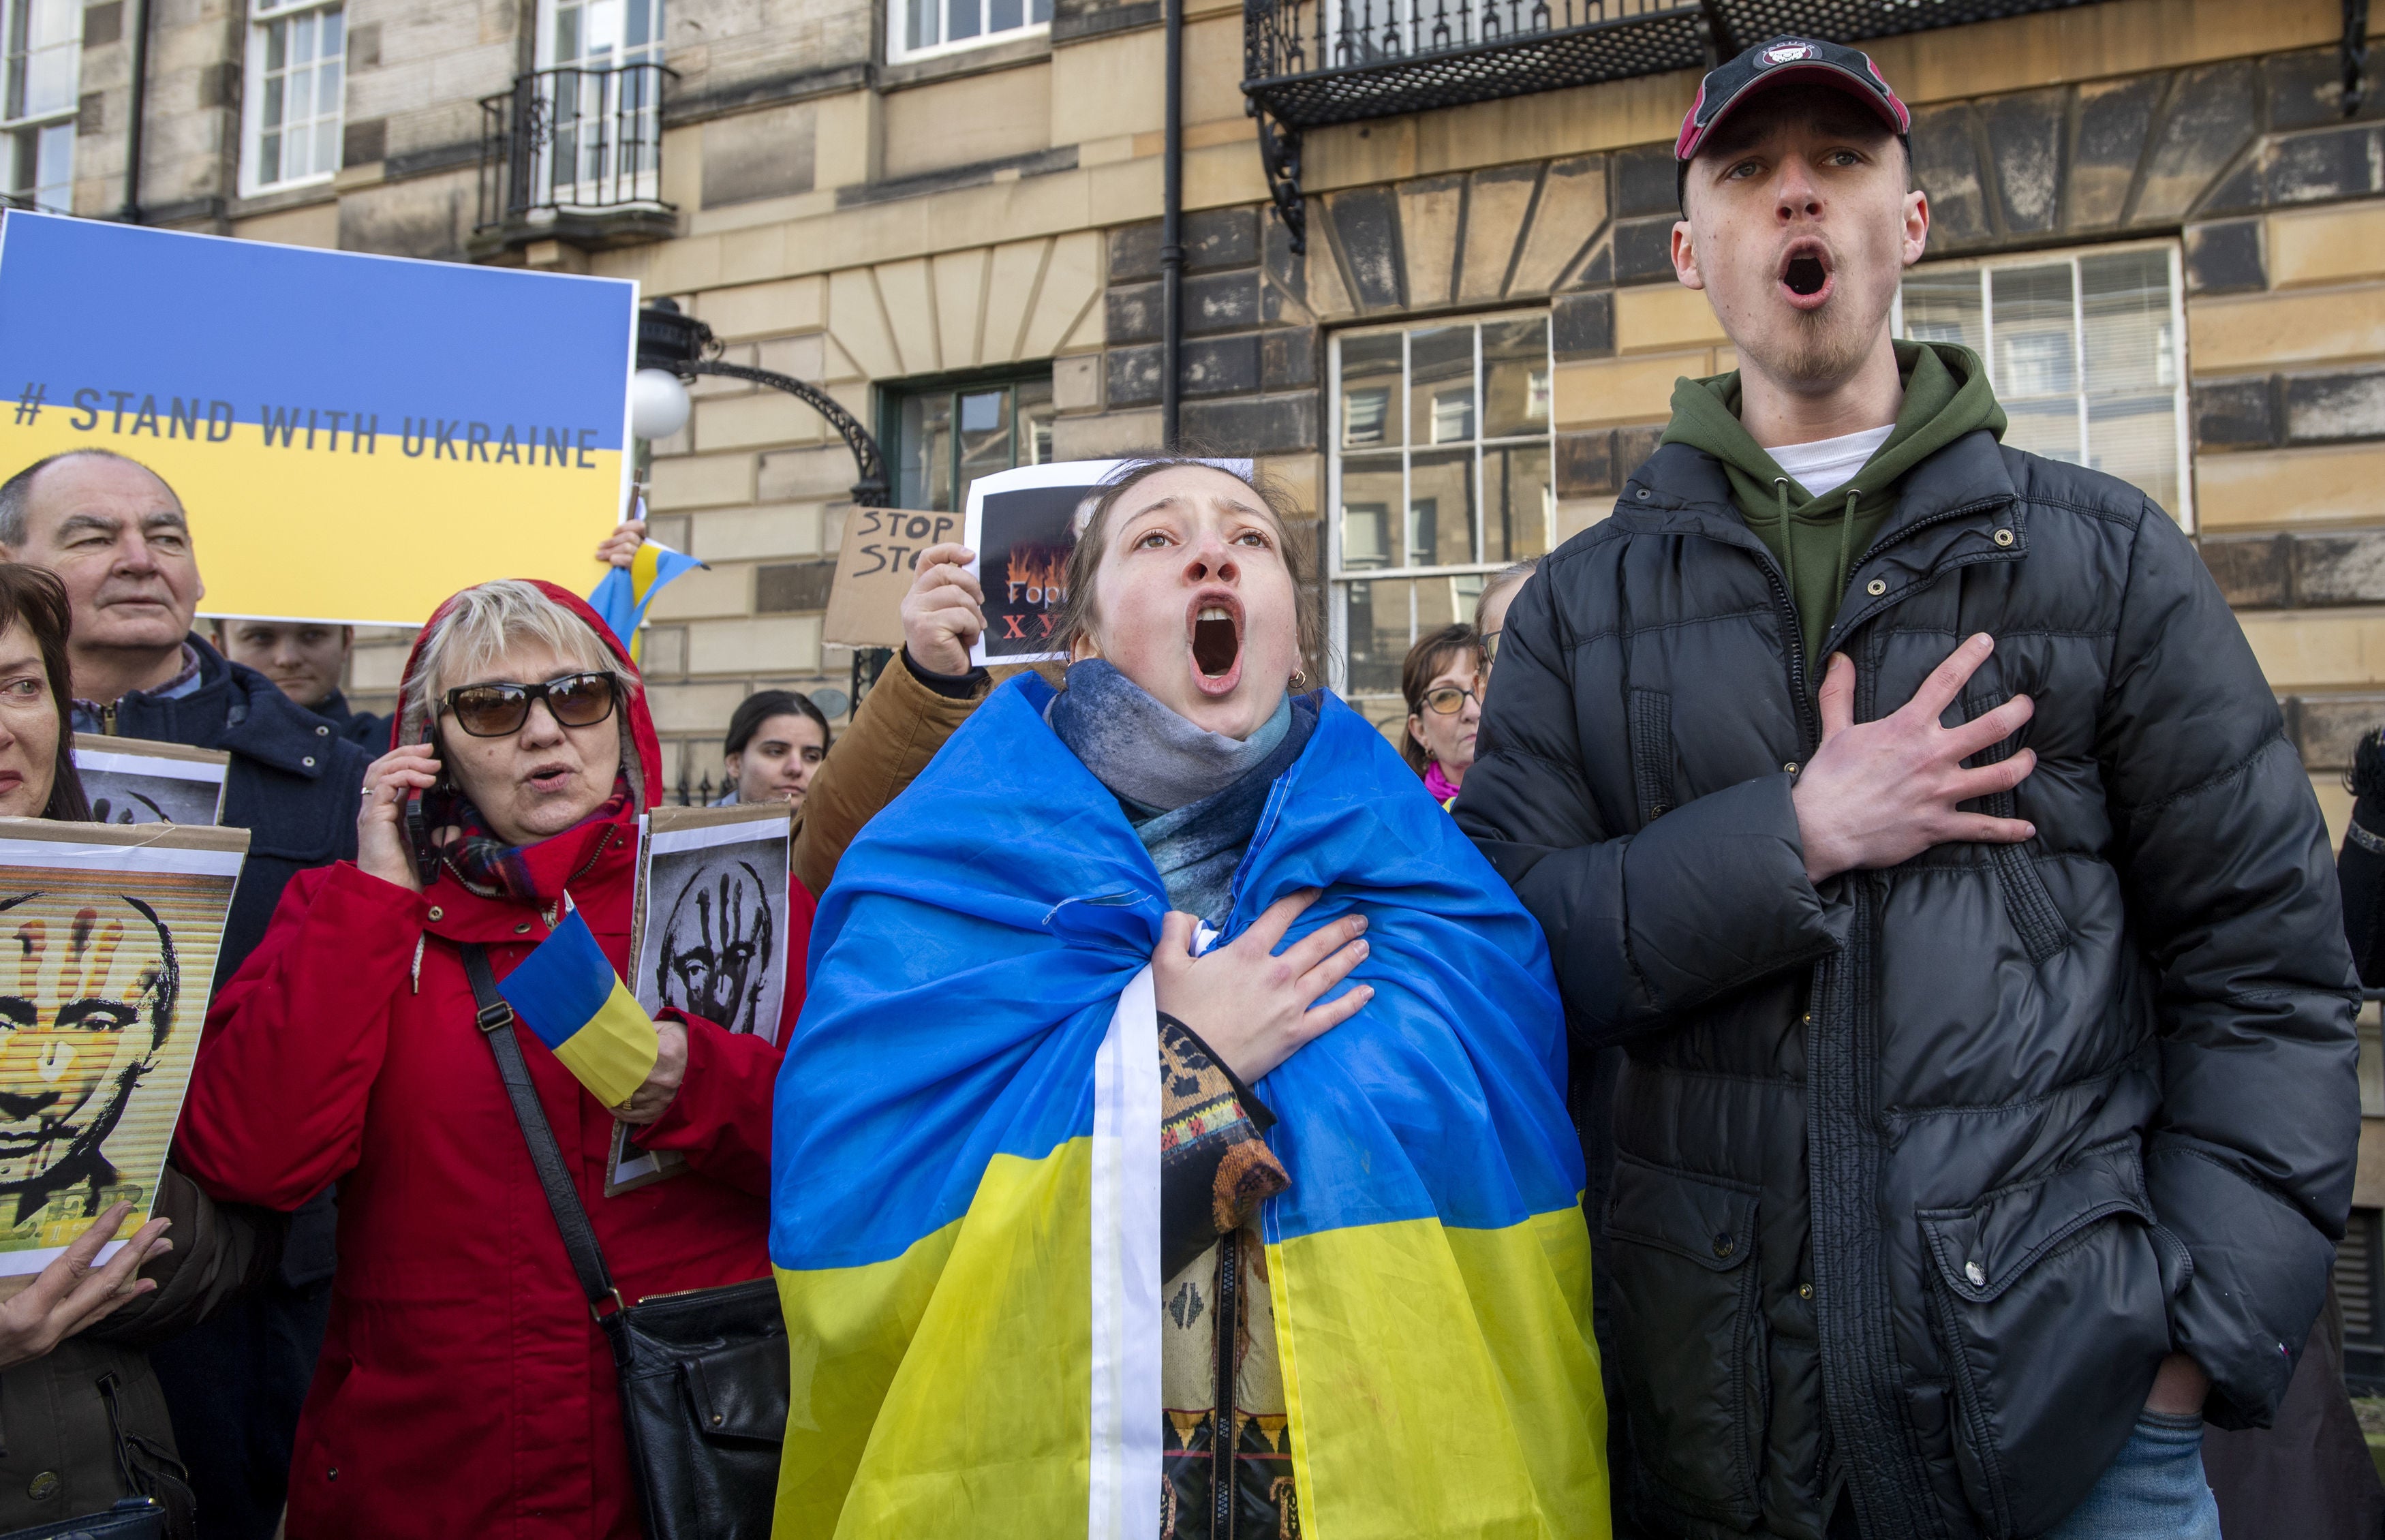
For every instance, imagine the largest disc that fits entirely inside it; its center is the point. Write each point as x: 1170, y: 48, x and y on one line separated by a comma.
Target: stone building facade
x: 2161, y: 207
x: 872, y: 218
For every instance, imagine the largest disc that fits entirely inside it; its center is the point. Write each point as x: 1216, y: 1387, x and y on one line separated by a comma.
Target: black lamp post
x: 670, y: 339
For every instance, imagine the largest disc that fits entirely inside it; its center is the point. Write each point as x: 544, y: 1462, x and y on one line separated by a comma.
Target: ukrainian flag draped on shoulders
x: 966, y: 1169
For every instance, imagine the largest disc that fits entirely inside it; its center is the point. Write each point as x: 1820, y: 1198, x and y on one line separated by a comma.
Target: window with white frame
x: 601, y: 86
x: 921, y: 29
x: 44, y: 43
x: 1440, y: 476
x: 297, y: 69
x: 2086, y: 350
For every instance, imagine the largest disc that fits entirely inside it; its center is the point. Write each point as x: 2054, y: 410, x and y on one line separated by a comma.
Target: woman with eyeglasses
x: 1443, y: 679
x: 463, y: 1388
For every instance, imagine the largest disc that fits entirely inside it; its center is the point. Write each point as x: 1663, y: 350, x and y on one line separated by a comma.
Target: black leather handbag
x: 704, y: 1373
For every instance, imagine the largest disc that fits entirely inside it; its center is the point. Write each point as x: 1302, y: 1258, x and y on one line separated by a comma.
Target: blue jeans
x: 2154, y: 1491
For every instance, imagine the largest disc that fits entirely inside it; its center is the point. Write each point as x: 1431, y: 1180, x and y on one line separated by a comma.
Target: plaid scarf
x: 483, y: 862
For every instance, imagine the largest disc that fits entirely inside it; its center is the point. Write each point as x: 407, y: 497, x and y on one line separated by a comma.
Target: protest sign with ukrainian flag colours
x: 353, y: 437
x: 966, y: 1169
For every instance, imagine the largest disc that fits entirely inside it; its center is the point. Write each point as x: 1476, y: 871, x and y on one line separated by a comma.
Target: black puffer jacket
x: 1918, y: 1176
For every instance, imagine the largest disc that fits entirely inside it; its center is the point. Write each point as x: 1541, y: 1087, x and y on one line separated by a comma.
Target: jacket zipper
x: 107, y: 719
x: 1964, y: 511
x: 553, y: 911
x: 1808, y: 720
x: 1221, y: 1419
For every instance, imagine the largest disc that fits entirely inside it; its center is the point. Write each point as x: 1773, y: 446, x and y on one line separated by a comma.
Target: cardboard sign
x: 708, y: 934
x: 134, y: 780
x: 874, y: 570
x: 352, y: 437
x: 117, y: 931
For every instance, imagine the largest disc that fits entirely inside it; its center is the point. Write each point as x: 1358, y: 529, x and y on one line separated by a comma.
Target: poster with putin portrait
x: 109, y: 935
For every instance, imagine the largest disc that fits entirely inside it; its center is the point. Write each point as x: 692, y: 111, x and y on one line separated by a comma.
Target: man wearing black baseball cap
x: 1913, y: 813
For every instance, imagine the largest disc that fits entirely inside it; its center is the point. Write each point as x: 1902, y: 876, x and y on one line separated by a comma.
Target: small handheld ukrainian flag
x: 620, y: 600
x: 570, y: 995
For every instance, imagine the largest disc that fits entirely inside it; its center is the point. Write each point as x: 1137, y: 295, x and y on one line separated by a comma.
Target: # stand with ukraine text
x: 709, y: 935
x: 109, y: 936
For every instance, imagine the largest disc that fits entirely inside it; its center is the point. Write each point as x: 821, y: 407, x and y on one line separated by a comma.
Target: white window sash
x: 1400, y: 410
x: 252, y: 128
x: 900, y: 48
x: 592, y: 176
x: 2183, y: 429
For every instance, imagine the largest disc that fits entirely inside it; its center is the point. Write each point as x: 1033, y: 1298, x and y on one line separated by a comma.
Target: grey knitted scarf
x: 1194, y: 796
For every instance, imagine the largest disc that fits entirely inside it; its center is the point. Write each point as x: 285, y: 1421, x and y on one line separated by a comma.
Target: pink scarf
x: 1444, y: 789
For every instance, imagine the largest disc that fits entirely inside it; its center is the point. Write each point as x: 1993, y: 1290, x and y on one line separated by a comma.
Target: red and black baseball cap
x: 1785, y: 61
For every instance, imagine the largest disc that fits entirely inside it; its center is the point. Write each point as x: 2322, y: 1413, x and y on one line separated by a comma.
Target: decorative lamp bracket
x: 1280, y: 156
x: 871, y: 490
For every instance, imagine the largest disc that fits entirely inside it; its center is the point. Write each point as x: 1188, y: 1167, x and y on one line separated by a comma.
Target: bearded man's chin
x: 1822, y: 355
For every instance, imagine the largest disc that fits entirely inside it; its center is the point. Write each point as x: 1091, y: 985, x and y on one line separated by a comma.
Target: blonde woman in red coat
x: 463, y: 1388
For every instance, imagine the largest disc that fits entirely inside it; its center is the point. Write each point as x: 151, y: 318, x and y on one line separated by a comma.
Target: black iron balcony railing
x: 574, y: 153
x: 1309, y: 63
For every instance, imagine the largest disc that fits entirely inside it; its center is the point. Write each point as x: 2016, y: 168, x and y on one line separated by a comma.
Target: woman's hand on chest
x: 1253, y: 1007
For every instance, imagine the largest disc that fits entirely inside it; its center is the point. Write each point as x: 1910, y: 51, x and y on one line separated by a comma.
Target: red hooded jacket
x: 464, y: 1389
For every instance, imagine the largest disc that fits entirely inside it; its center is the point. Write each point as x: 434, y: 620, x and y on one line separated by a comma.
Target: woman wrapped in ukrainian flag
x: 1172, y: 1143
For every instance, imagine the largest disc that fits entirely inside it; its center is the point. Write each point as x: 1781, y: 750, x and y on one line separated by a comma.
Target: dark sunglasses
x: 498, y: 711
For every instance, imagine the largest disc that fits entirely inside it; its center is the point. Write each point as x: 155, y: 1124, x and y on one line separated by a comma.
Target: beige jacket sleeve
x: 901, y: 724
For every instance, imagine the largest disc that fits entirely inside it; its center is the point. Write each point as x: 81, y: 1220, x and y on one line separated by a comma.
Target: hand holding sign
x: 944, y: 614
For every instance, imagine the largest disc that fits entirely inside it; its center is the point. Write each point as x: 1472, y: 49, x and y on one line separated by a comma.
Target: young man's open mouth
x: 1808, y: 274
x: 1216, y: 628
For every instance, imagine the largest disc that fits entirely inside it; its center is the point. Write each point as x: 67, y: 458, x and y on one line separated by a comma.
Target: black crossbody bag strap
x: 496, y: 1024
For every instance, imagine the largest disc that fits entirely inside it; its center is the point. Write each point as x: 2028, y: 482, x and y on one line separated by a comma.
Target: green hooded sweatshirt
x: 1818, y: 541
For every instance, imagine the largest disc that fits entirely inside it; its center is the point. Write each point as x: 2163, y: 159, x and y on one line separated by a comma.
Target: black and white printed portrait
x: 88, y: 987
x: 713, y: 933
x: 129, y: 796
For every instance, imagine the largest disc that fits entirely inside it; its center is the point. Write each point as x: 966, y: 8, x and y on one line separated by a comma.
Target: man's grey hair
x: 481, y: 623
x: 1503, y: 578
x: 17, y: 492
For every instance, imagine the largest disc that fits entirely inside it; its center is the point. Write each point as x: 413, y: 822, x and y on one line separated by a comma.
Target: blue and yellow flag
x: 966, y: 1165
x: 621, y: 598
x: 569, y: 995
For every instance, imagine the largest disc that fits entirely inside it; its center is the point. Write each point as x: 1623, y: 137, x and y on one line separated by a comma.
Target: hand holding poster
x: 708, y: 934
x: 133, y: 781
x: 114, y: 933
